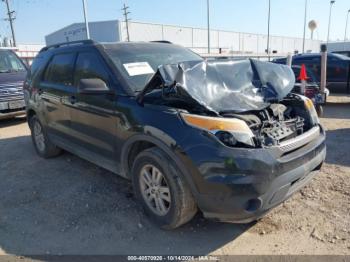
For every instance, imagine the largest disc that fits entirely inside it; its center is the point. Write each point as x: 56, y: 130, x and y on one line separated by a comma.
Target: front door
x: 93, y: 118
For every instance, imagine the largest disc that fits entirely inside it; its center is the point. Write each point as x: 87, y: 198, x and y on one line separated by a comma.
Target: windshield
x: 139, y: 61
x: 9, y: 62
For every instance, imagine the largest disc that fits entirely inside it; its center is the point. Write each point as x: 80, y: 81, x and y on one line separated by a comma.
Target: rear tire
x: 43, y: 146
x: 162, y: 190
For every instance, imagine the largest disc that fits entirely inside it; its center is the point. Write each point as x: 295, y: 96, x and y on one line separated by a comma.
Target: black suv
x: 224, y: 137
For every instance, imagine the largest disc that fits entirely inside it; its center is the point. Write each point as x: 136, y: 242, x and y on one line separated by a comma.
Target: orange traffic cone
x: 303, y: 75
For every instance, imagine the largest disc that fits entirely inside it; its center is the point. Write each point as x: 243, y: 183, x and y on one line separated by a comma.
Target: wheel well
x: 135, y: 149
x: 30, y: 114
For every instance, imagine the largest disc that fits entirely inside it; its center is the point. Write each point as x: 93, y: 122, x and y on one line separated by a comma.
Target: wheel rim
x: 155, y: 190
x: 39, y: 136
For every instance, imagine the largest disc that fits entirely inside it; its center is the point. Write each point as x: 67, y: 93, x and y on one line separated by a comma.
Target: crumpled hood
x: 236, y: 86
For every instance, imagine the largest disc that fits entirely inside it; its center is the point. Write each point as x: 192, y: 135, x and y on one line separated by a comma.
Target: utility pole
x: 346, y: 25
x: 11, y: 18
x: 330, y: 17
x: 126, y: 20
x: 86, y: 21
x: 208, y: 20
x: 305, y: 15
x: 268, y: 30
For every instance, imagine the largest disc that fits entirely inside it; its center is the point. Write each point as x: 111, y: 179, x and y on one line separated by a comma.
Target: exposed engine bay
x: 255, y: 92
x: 272, y: 125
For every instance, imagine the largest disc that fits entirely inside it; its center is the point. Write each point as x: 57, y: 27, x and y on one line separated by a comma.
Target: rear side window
x: 60, y: 69
x: 89, y: 65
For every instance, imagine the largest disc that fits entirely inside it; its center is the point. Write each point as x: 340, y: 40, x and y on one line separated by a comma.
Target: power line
x: 126, y: 20
x: 11, y: 18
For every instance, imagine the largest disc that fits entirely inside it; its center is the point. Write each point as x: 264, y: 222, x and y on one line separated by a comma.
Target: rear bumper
x: 255, y: 181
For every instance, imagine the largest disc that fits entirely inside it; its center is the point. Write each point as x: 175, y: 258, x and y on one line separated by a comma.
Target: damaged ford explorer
x: 227, y: 138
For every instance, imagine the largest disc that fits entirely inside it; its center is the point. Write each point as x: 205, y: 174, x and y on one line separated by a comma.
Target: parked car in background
x: 12, y: 74
x: 224, y: 137
x: 312, y: 89
x: 338, y: 68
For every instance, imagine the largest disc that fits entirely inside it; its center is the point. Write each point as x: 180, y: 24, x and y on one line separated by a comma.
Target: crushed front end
x: 251, y: 143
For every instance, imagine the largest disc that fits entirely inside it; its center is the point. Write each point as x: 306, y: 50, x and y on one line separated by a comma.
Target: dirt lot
x: 69, y: 206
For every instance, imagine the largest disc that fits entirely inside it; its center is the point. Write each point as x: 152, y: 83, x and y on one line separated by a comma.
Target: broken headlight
x: 230, y: 131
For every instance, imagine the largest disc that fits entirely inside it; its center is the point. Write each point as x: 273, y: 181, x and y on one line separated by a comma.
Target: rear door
x: 54, y: 90
x: 93, y: 118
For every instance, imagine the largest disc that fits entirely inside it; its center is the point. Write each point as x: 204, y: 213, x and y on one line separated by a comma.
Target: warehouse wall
x: 104, y: 31
x: 195, y: 38
x: 229, y: 42
x: 339, y: 46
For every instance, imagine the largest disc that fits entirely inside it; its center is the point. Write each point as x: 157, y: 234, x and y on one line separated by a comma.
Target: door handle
x: 72, y: 99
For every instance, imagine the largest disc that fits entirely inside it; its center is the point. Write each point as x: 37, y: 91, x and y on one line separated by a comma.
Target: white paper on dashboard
x: 139, y: 68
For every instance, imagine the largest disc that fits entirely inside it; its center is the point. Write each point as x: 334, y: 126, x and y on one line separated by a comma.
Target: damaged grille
x: 300, y: 141
x: 12, y: 91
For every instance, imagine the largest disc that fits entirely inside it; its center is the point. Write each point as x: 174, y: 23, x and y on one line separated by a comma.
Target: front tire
x: 43, y: 146
x: 162, y: 190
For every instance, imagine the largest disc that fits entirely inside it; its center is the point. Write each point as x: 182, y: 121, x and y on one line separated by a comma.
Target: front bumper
x: 241, y: 185
x: 11, y: 108
x: 11, y: 114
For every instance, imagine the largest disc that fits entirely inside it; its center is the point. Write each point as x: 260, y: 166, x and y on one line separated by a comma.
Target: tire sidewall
x: 32, y: 121
x: 164, y: 166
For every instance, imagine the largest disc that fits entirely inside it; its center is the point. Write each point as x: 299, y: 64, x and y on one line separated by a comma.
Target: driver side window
x: 89, y: 66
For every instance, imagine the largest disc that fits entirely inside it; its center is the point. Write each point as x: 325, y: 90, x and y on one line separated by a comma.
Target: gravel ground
x: 69, y: 206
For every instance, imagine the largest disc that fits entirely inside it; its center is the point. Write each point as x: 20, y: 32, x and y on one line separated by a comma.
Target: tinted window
x: 88, y: 66
x: 60, y: 69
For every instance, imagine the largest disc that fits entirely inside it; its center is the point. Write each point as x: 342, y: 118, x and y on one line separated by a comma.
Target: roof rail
x: 79, y: 42
x: 162, y: 41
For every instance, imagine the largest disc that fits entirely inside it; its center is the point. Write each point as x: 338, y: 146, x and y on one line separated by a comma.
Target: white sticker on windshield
x: 140, y: 68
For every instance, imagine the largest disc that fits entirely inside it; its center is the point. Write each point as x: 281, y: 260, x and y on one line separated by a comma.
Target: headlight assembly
x: 230, y: 131
x: 309, y: 105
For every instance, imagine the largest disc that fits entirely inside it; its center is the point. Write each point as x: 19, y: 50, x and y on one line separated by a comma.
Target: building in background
x: 225, y: 42
x: 26, y: 52
x: 339, y: 48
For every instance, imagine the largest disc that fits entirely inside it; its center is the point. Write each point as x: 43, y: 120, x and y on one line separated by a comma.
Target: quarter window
x: 60, y: 69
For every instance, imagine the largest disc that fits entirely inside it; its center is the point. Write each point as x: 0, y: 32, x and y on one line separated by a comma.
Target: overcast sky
x: 37, y: 18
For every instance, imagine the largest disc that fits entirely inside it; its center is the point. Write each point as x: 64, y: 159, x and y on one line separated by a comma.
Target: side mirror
x: 92, y: 86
